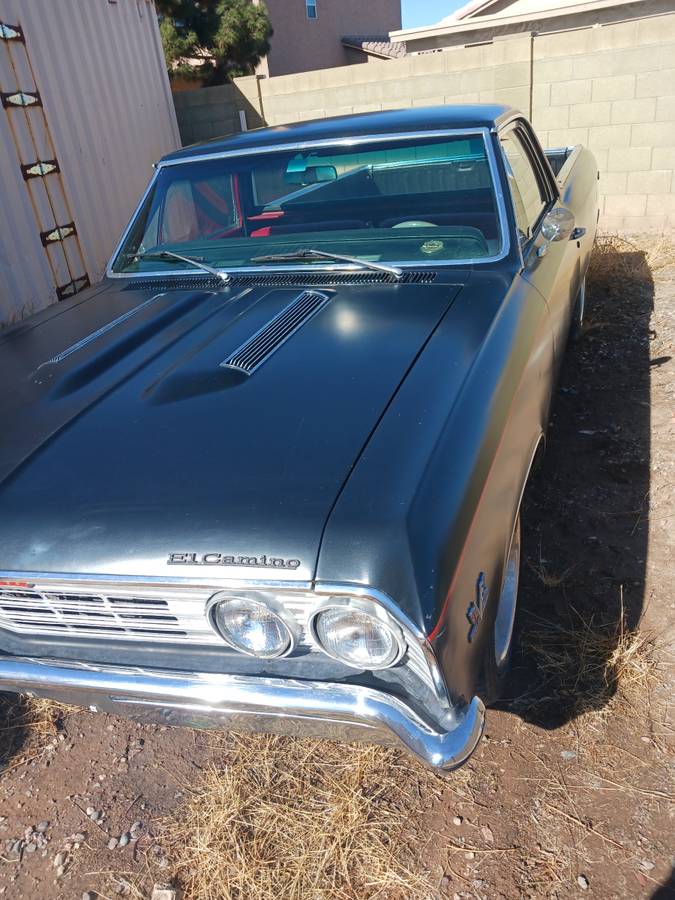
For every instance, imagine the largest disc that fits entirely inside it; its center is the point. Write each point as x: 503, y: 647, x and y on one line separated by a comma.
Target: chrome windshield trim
x: 488, y: 141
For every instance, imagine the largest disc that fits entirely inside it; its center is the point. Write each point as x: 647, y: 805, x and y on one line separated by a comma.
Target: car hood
x: 129, y: 449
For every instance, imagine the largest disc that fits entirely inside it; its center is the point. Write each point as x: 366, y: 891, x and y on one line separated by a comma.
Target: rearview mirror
x: 311, y: 175
x: 558, y: 224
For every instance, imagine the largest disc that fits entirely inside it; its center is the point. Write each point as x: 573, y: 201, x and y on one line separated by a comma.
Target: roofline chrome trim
x: 484, y: 132
x: 323, y: 709
x: 325, y: 142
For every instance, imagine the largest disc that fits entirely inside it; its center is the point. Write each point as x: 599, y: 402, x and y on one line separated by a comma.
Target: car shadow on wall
x: 585, y: 514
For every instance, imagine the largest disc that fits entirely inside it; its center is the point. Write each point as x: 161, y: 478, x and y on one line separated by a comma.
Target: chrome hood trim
x: 259, y: 347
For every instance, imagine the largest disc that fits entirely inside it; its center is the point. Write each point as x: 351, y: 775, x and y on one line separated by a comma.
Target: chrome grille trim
x: 173, y: 611
x: 97, y: 612
x: 258, y: 348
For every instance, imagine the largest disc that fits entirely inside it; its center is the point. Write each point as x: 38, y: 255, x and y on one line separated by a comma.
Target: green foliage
x: 228, y: 36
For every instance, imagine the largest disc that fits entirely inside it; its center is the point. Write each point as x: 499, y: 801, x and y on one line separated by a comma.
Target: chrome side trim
x: 267, y: 340
x: 333, y: 711
x: 505, y: 244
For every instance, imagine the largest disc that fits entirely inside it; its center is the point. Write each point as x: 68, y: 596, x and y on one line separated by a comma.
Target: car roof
x: 390, y: 122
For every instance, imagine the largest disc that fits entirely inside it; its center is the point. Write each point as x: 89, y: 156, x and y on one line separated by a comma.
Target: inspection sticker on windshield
x: 432, y: 246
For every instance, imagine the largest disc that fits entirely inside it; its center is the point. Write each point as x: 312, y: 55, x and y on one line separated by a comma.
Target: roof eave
x: 436, y: 30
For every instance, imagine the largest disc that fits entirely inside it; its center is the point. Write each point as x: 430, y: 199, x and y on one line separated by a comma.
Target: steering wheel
x: 414, y: 223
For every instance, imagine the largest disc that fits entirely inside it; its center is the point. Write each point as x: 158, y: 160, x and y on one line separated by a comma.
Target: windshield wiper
x: 169, y: 254
x: 309, y: 253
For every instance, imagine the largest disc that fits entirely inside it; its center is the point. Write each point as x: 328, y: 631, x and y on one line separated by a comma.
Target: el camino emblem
x: 220, y: 559
x: 477, y: 607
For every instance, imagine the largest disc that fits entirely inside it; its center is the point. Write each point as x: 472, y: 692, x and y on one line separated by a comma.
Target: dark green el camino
x: 267, y: 474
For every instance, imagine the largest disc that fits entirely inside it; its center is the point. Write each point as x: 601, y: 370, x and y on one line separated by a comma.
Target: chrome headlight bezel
x: 271, y: 604
x: 368, y: 608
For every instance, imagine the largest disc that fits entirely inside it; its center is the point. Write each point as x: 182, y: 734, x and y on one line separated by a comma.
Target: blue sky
x: 426, y: 12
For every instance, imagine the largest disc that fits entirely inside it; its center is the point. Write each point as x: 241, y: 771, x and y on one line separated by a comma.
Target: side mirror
x: 558, y: 224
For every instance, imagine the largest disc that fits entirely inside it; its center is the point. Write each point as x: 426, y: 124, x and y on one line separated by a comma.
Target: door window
x: 529, y: 199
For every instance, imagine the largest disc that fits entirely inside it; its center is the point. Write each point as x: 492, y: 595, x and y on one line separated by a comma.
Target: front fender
x: 432, y: 500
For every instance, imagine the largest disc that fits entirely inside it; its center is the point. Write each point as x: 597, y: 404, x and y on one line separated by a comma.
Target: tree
x: 214, y: 40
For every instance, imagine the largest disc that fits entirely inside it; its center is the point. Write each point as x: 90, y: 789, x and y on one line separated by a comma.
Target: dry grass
x: 26, y: 725
x: 617, y: 261
x: 547, y: 576
x: 593, y: 666
x: 42, y: 716
x: 308, y: 820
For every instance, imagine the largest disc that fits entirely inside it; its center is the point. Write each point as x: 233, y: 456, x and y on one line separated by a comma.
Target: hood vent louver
x: 279, y: 279
x: 253, y: 352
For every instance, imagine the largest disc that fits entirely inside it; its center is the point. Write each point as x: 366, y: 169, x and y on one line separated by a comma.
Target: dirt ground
x: 571, y: 791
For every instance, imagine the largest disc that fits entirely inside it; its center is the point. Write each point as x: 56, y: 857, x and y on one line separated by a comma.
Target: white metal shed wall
x: 99, y: 69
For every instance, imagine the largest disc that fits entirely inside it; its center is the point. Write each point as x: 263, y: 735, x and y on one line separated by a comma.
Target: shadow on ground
x: 586, y: 511
x: 667, y: 890
x: 13, y: 728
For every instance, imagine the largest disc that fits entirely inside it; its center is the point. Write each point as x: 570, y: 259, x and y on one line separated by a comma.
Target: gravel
x: 124, y: 839
x: 582, y: 881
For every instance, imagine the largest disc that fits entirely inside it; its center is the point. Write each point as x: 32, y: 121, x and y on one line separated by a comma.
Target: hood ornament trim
x: 258, y: 348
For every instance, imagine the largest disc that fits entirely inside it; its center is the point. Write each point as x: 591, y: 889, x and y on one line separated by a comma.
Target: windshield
x: 416, y: 200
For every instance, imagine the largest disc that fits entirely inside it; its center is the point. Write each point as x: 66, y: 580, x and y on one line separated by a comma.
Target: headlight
x: 362, y: 639
x: 252, y: 626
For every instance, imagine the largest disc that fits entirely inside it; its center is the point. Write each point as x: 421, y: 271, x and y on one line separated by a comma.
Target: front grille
x: 148, y: 614
x: 92, y: 614
x: 271, y: 279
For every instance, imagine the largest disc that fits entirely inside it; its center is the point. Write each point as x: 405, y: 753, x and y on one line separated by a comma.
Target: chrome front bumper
x: 332, y: 711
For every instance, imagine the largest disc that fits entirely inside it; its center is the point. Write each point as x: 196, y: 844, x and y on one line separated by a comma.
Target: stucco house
x: 482, y: 21
x: 308, y: 34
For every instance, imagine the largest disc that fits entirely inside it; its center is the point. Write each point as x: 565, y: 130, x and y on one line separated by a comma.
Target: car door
x: 549, y: 265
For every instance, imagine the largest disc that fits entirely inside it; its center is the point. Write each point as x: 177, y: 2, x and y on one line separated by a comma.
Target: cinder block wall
x: 611, y: 87
x: 211, y: 112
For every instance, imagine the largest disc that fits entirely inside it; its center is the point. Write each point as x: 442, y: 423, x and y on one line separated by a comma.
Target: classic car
x: 267, y: 474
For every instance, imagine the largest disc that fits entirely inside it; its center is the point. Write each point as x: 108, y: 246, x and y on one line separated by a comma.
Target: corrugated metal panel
x: 99, y: 68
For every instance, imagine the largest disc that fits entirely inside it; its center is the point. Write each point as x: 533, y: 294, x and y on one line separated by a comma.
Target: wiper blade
x: 309, y: 253
x: 169, y: 254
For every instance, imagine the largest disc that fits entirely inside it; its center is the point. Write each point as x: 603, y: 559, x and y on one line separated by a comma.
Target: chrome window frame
x: 484, y: 132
